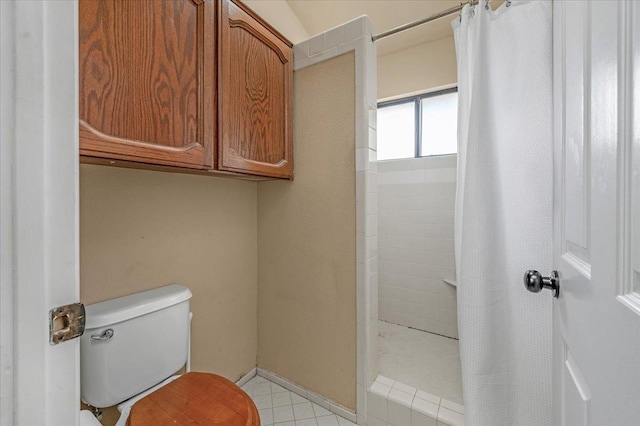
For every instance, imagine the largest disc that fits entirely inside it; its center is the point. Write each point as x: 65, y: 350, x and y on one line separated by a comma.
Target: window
x: 396, y: 127
x: 418, y: 126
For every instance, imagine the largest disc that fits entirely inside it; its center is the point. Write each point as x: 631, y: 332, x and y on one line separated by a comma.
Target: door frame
x: 39, y: 217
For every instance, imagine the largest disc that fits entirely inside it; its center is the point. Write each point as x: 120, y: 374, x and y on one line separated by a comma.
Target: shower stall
x: 453, y: 238
x: 418, y: 327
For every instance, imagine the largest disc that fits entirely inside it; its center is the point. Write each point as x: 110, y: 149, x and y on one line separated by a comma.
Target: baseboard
x: 244, y: 379
x: 326, y: 403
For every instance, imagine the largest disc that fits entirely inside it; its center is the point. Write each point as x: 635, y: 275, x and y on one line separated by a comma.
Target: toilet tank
x: 149, y: 343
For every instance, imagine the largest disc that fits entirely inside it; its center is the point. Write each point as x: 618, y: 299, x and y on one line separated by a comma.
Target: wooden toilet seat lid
x: 196, y: 399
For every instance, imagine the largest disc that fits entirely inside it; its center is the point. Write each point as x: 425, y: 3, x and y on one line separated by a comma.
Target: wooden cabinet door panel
x: 147, y: 81
x: 255, y: 96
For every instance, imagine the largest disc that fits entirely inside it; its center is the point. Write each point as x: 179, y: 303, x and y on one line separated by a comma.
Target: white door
x: 39, y: 382
x: 596, y: 319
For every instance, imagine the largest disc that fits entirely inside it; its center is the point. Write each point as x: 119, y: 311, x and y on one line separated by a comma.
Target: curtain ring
x: 486, y: 4
x: 472, y: 11
x: 508, y: 3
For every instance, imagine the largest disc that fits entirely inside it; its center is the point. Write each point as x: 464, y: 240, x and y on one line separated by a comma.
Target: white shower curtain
x: 503, y: 222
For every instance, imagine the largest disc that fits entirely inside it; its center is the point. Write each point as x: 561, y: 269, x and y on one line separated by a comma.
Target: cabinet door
x: 147, y: 81
x: 255, y: 95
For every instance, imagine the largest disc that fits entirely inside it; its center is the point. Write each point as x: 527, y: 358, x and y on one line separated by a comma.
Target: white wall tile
x: 360, y: 361
x: 416, y: 200
x: 362, y: 157
x: 334, y: 37
x: 425, y: 407
x: 374, y: 421
x: 376, y: 406
x: 301, y: 50
x: 405, y: 388
x: 361, y: 132
x: 304, y: 62
x: 373, y: 118
x: 448, y: 175
x: 453, y: 406
x: 355, y: 45
x: 428, y: 397
x: 361, y: 399
x: 316, y: 44
x: 324, y: 55
x: 369, y: 28
x: 372, y: 183
x: 418, y: 419
x: 399, y: 415
x: 450, y: 417
x: 372, y: 368
x: 373, y: 139
x: 359, y: 101
x: 354, y: 29
x: 385, y: 381
x: 401, y: 398
x: 380, y: 389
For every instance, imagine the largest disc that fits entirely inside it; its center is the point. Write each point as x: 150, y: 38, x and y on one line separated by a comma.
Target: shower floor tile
x: 426, y: 361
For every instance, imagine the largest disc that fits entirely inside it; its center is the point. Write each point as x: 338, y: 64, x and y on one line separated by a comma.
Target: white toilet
x: 133, y: 345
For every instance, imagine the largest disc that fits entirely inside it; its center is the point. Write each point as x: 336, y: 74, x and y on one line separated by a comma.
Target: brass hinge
x: 66, y: 323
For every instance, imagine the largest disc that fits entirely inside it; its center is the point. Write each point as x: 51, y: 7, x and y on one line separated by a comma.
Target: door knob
x: 535, y: 282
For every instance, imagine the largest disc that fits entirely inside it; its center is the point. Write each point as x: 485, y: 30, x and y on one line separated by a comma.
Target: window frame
x: 417, y: 103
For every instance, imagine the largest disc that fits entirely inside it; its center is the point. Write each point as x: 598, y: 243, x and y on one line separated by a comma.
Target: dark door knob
x: 535, y: 282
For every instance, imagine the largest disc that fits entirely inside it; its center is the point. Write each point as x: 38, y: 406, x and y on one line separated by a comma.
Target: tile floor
x: 419, y: 359
x: 278, y: 406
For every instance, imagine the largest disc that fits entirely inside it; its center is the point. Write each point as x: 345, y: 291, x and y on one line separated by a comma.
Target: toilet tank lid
x: 124, y: 308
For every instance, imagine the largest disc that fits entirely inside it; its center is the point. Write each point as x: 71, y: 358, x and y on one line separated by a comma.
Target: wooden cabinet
x: 255, y: 99
x: 147, y: 81
x: 189, y: 85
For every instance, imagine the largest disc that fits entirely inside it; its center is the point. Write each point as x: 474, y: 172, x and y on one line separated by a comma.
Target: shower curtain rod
x: 410, y: 25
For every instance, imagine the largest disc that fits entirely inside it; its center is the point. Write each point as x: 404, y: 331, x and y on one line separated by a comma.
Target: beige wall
x: 279, y: 14
x: 422, y: 68
x: 143, y: 229
x: 306, y: 242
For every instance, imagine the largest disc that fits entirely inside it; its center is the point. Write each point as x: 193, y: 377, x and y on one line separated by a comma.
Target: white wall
x: 416, y: 200
x: 279, y: 14
x: 418, y: 69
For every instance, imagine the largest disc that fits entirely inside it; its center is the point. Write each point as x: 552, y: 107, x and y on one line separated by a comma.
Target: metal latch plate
x: 66, y: 323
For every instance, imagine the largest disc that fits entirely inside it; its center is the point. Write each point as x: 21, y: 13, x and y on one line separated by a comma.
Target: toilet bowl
x: 129, y: 354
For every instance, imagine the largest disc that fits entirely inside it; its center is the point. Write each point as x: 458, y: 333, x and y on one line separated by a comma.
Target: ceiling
x: 320, y: 15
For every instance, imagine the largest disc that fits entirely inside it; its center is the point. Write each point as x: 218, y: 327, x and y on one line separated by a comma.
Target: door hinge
x: 66, y: 323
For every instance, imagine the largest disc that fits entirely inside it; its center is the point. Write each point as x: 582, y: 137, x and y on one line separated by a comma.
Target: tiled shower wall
x: 416, y: 200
